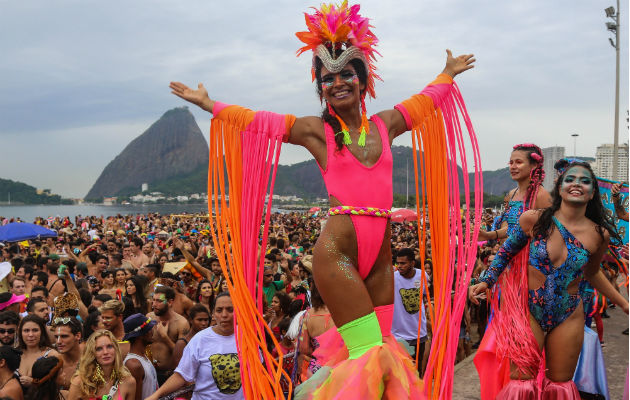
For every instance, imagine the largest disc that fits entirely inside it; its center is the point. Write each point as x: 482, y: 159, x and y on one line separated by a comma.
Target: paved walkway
x: 466, y: 381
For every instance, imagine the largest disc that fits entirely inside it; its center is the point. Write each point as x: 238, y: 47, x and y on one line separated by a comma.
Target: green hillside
x: 20, y: 193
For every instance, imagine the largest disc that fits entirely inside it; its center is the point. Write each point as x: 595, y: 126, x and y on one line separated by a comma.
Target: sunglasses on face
x: 185, y: 273
x: 10, y: 331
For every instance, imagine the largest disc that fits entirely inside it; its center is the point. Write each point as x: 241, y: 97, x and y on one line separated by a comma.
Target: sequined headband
x: 336, y: 25
x: 335, y: 65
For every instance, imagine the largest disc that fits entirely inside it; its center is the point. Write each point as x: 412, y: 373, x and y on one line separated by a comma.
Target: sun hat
x: 137, y: 325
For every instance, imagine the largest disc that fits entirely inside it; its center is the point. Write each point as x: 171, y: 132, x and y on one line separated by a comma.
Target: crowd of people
x: 142, y: 306
x: 113, y: 306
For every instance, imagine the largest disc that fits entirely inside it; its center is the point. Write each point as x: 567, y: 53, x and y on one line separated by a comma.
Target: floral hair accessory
x: 335, y: 28
x: 536, y: 155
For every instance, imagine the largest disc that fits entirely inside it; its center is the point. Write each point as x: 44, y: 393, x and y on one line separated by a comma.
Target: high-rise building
x: 551, y: 155
x: 604, y: 162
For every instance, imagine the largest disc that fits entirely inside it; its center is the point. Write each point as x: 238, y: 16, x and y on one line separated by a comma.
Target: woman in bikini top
x: 568, y: 241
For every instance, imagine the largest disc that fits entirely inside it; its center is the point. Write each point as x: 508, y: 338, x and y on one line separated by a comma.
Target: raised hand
x: 457, y: 65
x: 198, y: 97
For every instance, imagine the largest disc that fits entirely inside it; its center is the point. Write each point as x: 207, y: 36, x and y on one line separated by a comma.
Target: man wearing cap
x: 68, y: 340
x: 139, y: 333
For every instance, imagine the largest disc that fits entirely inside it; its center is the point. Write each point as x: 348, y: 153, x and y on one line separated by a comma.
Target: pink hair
x: 537, y: 174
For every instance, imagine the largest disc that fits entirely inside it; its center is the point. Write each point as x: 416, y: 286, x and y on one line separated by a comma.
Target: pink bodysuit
x: 354, y: 184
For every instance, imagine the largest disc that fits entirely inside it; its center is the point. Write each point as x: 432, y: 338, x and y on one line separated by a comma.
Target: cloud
x: 78, y: 73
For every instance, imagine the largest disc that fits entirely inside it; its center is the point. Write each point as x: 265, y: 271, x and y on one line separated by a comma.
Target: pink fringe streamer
x: 462, y: 243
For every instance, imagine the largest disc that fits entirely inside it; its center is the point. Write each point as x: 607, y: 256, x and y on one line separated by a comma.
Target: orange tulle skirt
x: 383, y: 372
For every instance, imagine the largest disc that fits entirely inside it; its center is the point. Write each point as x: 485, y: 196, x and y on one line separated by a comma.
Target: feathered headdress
x: 340, y: 27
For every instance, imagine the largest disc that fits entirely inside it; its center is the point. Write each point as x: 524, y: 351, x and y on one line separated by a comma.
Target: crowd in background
x: 112, y: 306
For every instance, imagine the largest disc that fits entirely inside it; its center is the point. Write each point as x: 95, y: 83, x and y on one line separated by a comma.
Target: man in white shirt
x: 408, y: 304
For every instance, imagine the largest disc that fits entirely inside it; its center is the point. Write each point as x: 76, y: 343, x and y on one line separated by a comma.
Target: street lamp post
x: 575, y: 135
x: 614, y: 27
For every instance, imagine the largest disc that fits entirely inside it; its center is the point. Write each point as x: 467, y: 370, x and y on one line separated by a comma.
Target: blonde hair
x: 88, y: 364
x: 118, y: 307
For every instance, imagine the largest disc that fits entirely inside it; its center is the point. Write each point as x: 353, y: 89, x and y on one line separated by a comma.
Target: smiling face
x: 342, y: 90
x: 577, y: 185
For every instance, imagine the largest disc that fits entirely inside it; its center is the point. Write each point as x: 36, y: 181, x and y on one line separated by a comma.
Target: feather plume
x: 337, y: 25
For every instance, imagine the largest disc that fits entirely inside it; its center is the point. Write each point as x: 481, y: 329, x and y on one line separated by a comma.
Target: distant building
x: 109, y: 201
x: 145, y: 187
x: 551, y: 155
x: 604, y: 162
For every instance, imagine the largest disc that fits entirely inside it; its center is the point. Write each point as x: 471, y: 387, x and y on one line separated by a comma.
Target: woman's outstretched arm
x: 514, y: 243
x: 198, y: 97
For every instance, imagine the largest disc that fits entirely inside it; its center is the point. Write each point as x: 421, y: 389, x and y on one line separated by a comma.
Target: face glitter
x: 162, y: 298
x: 578, y: 176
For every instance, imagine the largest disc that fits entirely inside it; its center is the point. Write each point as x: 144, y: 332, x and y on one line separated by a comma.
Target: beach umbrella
x: 314, y: 209
x: 19, y: 231
x: 404, y: 215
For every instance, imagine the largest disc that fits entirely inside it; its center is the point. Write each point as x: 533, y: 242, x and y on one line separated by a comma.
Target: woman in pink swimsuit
x: 352, y: 261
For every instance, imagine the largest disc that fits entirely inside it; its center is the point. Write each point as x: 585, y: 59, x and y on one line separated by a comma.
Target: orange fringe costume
x: 244, y: 151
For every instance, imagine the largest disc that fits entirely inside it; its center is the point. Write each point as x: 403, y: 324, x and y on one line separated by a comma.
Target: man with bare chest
x: 138, y: 258
x: 170, y: 327
x: 68, y: 339
x: 182, y: 303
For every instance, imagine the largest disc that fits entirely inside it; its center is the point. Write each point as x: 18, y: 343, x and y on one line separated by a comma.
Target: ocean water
x: 30, y: 212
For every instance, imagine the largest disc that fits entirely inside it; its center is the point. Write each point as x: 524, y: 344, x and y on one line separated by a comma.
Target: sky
x: 81, y: 79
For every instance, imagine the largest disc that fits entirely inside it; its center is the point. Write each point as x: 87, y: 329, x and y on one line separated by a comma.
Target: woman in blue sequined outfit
x: 526, y: 170
x: 568, y: 241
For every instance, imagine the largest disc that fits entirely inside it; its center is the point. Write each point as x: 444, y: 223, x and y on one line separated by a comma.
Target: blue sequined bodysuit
x: 551, y: 303
x: 512, y: 214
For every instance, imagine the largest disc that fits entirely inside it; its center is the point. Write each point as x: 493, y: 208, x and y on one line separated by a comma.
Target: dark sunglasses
x: 9, y: 331
x: 185, y: 273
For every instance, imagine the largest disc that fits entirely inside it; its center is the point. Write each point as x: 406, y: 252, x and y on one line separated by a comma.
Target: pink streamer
x: 463, y: 245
